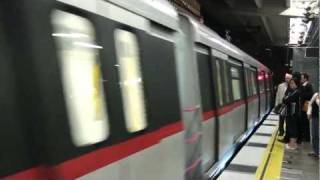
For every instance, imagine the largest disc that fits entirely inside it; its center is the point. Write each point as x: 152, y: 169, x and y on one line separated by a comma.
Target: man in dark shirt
x: 306, y: 94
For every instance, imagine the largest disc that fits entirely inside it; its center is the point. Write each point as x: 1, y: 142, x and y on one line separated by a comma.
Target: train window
x: 226, y: 82
x: 131, y: 80
x: 254, y: 83
x: 81, y: 77
x: 267, y: 82
x: 248, y: 82
x: 261, y: 82
x: 236, y: 86
x: 219, y: 82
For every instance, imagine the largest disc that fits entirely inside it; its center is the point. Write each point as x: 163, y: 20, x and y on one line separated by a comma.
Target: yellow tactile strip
x: 270, y: 167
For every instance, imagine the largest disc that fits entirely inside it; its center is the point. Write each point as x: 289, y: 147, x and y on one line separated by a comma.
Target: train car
x: 120, y: 89
x: 229, y: 85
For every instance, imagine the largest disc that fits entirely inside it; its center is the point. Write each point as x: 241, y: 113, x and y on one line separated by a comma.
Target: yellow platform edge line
x: 273, y: 171
x: 273, y: 168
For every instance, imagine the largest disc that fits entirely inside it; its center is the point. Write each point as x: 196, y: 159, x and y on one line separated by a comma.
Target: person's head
x: 304, y: 77
x: 297, y: 76
x: 293, y: 84
x: 288, y: 77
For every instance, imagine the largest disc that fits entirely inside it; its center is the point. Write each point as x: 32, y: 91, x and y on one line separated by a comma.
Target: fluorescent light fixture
x: 87, y: 45
x: 297, y: 28
x: 301, y: 4
x: 70, y: 35
x: 297, y: 7
x: 292, y: 12
x: 299, y: 33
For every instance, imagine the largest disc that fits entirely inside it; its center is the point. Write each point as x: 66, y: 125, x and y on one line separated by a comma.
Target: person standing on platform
x: 282, y: 88
x: 313, y: 115
x: 292, y: 102
x: 306, y: 94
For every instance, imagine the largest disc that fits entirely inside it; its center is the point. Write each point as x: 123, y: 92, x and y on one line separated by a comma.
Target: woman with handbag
x: 313, y: 115
x: 281, y: 90
x: 292, y: 102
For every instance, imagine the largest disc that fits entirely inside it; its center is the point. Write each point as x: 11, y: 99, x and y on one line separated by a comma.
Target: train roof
x: 160, y: 11
x: 210, y: 38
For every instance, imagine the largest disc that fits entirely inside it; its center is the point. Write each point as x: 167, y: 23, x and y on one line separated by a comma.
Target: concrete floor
x: 297, y: 165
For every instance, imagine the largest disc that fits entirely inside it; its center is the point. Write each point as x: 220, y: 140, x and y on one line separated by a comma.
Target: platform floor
x: 264, y: 158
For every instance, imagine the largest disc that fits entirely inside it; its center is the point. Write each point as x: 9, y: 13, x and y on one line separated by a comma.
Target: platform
x: 265, y: 158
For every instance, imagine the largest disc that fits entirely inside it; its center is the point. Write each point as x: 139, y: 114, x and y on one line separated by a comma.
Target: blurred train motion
x: 120, y: 89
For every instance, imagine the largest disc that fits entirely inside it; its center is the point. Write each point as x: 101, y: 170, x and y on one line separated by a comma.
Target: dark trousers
x: 281, y: 124
x: 315, y: 135
x: 304, y: 129
x: 292, y: 127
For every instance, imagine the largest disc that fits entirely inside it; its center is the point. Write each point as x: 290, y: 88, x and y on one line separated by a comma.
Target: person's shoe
x: 291, y: 148
x: 281, y: 134
x: 313, y: 154
x: 282, y: 141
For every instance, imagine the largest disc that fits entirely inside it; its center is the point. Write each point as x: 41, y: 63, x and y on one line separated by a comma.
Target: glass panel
x: 226, y: 78
x: 236, y: 89
x: 254, y: 83
x: 81, y: 77
x: 234, y: 72
x: 261, y: 85
x: 219, y: 83
x: 249, y: 83
x: 267, y: 82
x: 130, y: 80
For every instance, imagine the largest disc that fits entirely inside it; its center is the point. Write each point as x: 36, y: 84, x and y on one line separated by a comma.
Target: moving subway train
x: 120, y: 89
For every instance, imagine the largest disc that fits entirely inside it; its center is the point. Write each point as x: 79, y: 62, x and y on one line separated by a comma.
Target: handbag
x: 305, y: 106
x: 283, y: 110
x: 277, y: 109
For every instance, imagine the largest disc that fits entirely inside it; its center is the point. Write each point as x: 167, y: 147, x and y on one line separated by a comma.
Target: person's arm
x: 309, y: 112
x: 309, y: 92
x: 278, y: 98
x: 291, y: 97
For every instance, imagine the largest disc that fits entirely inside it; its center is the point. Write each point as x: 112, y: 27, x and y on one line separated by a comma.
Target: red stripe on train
x: 87, y: 163
x: 39, y: 172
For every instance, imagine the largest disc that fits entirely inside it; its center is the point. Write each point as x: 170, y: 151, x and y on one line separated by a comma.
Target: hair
x: 305, y: 75
x: 296, y: 81
x: 296, y: 75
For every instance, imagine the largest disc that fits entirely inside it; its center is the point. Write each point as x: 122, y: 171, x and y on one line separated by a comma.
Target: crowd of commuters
x: 298, y: 108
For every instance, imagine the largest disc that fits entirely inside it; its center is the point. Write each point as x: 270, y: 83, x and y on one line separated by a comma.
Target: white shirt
x: 280, y: 92
x: 313, y: 99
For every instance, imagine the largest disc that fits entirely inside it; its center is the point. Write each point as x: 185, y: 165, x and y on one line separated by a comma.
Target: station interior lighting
x: 300, y: 25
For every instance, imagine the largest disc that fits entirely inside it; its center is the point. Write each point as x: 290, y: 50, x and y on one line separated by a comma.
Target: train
x: 120, y: 89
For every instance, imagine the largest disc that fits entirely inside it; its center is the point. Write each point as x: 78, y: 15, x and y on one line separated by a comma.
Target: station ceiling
x: 257, y: 23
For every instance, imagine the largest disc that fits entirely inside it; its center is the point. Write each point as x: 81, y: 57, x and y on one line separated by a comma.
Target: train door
x: 19, y: 152
x: 206, y: 79
x: 262, y: 93
x: 255, y: 91
x: 268, y: 91
x: 252, y: 99
x: 190, y: 98
x: 221, y: 95
x: 235, y: 68
x: 233, y: 112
